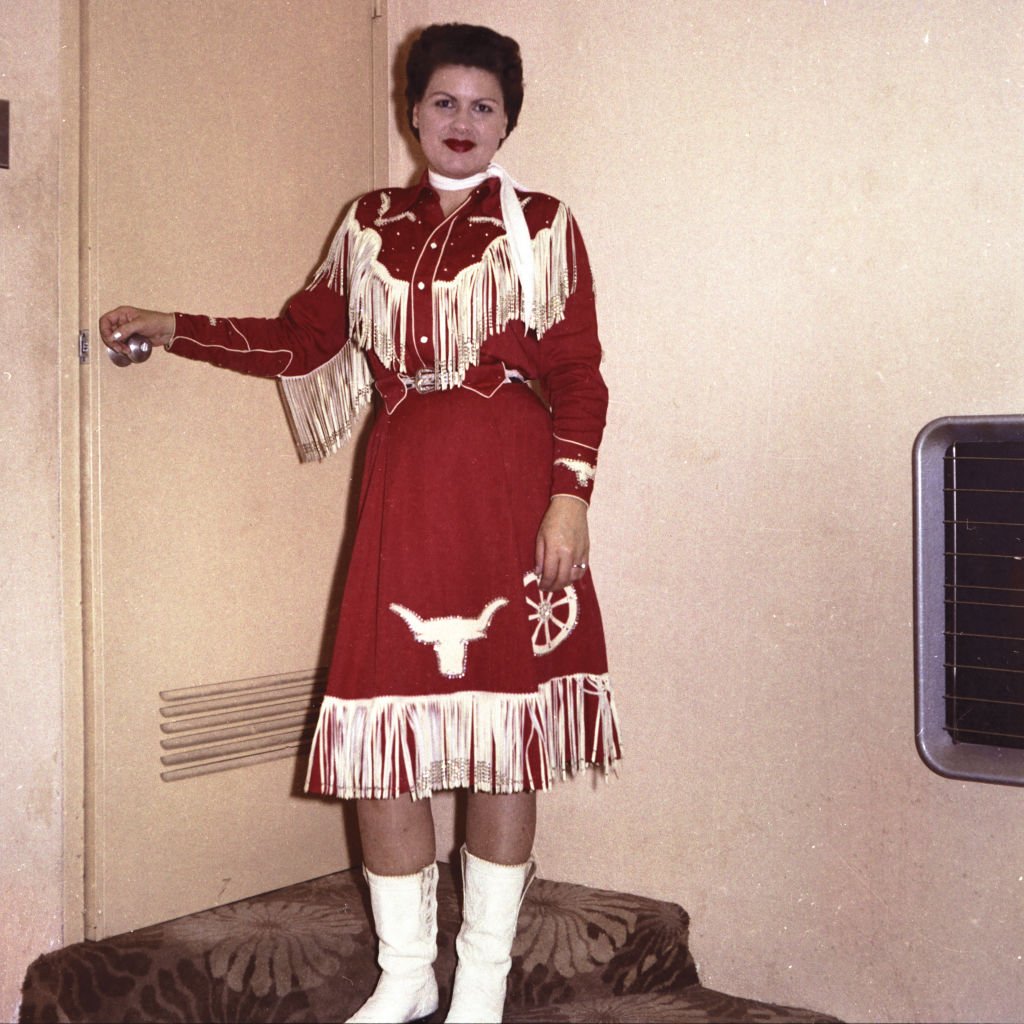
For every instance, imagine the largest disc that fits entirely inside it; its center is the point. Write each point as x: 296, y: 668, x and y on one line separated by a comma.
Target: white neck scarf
x: 515, y: 224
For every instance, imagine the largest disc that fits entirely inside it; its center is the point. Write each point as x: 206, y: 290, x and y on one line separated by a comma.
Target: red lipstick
x: 460, y: 145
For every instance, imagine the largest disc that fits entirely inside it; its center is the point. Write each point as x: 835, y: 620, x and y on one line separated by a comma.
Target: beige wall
x: 824, y: 199
x: 806, y: 226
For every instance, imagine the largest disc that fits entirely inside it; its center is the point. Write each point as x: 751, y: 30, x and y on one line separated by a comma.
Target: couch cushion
x: 307, y: 953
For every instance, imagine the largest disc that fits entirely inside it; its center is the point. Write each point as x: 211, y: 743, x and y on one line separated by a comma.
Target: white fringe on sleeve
x: 323, y: 405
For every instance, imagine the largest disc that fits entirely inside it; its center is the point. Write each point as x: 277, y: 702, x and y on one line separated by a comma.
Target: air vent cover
x: 239, y: 723
x: 969, y: 583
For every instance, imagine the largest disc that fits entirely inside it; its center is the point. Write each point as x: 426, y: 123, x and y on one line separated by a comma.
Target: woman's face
x: 461, y: 120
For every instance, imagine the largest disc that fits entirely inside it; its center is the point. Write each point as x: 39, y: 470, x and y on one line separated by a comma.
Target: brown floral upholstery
x: 307, y: 953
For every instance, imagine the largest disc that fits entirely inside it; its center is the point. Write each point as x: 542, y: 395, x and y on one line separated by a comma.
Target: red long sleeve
x: 569, y: 366
x: 311, y: 331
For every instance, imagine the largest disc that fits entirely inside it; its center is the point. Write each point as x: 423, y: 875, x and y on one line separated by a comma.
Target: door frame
x: 69, y: 272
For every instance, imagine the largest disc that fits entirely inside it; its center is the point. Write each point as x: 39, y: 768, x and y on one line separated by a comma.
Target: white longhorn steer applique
x: 449, y: 635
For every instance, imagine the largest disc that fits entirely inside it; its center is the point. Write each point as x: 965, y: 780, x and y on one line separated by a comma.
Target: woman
x: 470, y: 651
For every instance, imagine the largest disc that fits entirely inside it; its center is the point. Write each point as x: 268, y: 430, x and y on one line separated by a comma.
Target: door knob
x: 139, y: 350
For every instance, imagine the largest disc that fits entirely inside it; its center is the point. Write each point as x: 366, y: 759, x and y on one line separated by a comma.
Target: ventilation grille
x: 235, y: 724
x: 969, y: 566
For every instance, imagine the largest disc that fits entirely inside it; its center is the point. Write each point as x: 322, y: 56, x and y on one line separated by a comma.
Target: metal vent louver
x: 237, y: 724
x: 969, y: 597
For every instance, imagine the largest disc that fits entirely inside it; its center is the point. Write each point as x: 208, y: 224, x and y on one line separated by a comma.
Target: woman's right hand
x: 117, y: 326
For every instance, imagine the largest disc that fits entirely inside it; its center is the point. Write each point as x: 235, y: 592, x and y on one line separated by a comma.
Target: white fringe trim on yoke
x: 324, y: 404
x: 364, y: 748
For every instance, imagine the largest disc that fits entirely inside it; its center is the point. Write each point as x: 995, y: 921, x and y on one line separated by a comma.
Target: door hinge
x: 83, y: 346
x: 376, y: 9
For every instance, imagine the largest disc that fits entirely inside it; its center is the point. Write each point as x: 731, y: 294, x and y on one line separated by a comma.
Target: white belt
x: 426, y: 380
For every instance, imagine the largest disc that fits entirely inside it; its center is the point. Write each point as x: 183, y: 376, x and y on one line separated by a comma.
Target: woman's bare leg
x: 397, y: 835
x: 501, y: 828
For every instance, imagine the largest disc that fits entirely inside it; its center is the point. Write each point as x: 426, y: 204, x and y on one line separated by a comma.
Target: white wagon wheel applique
x: 554, y: 612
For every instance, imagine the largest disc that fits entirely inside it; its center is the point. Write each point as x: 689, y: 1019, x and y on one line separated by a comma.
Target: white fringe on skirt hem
x: 363, y: 748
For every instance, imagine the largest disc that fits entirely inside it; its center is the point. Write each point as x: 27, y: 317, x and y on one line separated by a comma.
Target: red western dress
x: 451, y: 667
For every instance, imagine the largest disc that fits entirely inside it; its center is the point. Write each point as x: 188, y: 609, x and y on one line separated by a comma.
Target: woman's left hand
x: 563, y: 543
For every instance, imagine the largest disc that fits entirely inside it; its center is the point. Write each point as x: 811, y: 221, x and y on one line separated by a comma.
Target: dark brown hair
x: 471, y: 46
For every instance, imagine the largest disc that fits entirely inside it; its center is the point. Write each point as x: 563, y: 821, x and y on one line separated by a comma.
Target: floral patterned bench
x: 307, y: 953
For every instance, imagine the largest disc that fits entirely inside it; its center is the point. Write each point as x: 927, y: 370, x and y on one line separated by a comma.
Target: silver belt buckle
x: 424, y: 381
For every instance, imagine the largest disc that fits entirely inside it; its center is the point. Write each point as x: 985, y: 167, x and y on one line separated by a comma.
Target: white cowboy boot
x: 493, y: 894
x: 405, y: 916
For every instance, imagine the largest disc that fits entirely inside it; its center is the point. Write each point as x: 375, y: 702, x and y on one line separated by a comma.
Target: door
x: 221, y: 141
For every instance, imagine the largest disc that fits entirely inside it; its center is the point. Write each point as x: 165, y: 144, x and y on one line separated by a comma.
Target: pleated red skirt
x: 451, y: 668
